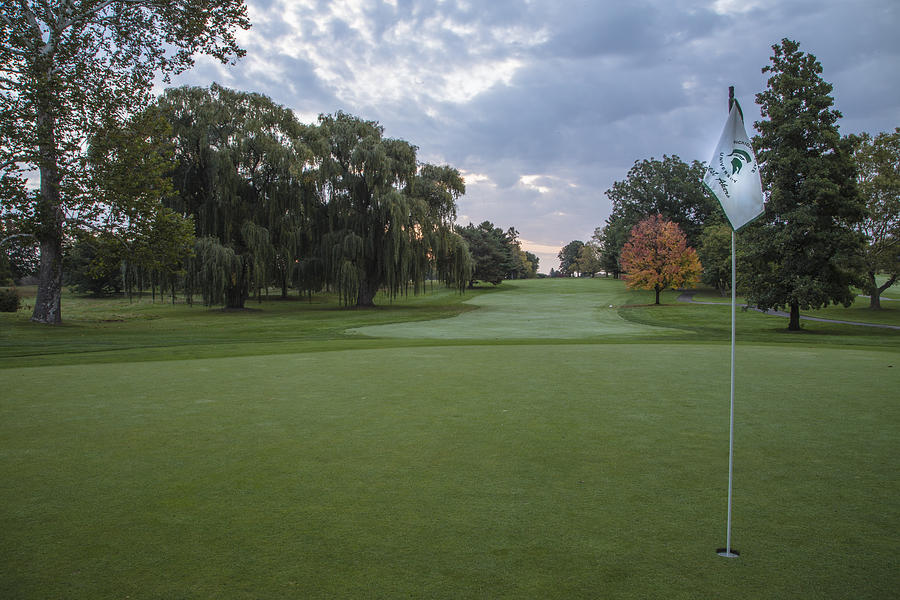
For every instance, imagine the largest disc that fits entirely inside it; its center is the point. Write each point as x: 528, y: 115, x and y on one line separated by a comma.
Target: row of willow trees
x: 270, y: 201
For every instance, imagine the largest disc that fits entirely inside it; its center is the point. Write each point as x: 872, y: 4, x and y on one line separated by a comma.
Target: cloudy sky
x: 543, y: 104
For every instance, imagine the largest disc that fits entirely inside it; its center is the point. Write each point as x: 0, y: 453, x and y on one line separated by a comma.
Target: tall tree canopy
x: 801, y: 253
x: 526, y: 263
x: 491, y: 259
x: 715, y: 255
x: 657, y: 257
x: 568, y: 257
x: 244, y: 172
x: 589, y: 260
x: 609, y: 240
x: 669, y: 187
x: 388, y: 222
x: 494, y: 252
x: 65, y: 68
x: 532, y: 263
x: 523, y: 264
x: 878, y: 168
x: 128, y: 172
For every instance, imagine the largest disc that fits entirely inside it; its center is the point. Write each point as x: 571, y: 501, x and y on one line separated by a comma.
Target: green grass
x: 521, y: 312
x: 560, y: 309
x: 116, y: 330
x: 859, y: 311
x: 191, y: 453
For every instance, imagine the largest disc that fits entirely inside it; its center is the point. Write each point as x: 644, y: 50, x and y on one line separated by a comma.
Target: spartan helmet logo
x: 740, y: 157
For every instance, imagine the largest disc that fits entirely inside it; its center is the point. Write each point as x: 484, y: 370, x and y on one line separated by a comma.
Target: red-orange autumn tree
x: 657, y: 257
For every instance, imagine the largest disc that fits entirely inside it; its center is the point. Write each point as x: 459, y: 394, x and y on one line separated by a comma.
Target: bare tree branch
x: 52, y: 21
x: 36, y: 32
x: 11, y: 162
x: 6, y: 18
x: 17, y: 235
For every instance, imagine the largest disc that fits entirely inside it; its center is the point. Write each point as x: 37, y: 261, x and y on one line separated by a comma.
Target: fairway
x: 533, y: 308
x: 458, y: 469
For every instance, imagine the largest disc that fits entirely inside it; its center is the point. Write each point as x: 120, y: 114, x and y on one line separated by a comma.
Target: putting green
x: 530, y: 309
x: 530, y: 471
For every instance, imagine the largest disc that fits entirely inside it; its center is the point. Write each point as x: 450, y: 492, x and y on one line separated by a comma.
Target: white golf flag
x: 733, y: 173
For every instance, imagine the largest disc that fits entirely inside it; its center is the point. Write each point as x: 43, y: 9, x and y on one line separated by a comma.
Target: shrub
x: 9, y: 301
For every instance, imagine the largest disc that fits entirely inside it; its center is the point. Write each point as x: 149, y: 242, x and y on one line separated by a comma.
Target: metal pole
x: 728, y: 553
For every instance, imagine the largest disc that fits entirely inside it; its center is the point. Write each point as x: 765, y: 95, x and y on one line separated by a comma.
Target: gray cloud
x: 544, y: 104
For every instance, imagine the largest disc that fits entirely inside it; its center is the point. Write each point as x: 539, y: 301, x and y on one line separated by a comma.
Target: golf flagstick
x: 732, y: 176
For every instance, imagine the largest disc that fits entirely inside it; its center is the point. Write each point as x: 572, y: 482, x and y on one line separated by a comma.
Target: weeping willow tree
x: 244, y: 173
x: 443, y: 253
x: 388, y: 223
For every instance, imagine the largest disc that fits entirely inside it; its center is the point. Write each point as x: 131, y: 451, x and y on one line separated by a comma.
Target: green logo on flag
x: 740, y: 157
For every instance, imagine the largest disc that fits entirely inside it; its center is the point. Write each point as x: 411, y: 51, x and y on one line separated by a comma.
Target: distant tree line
x: 220, y: 194
x: 245, y: 197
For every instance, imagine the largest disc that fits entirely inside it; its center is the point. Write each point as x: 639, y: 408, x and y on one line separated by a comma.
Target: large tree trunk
x: 874, y: 295
x: 50, y: 217
x: 656, y: 288
x: 794, y: 322
x: 875, y: 290
x: 47, y: 303
x: 235, y: 296
x: 367, y: 290
x: 238, y: 289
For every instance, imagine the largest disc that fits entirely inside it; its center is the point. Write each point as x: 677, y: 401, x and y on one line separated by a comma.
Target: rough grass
x: 355, y: 466
x: 116, y: 330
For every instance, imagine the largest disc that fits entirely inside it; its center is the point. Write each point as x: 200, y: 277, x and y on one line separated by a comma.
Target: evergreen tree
x: 802, y: 252
x: 88, y: 269
x: 492, y: 252
x: 18, y: 253
x: 609, y: 240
